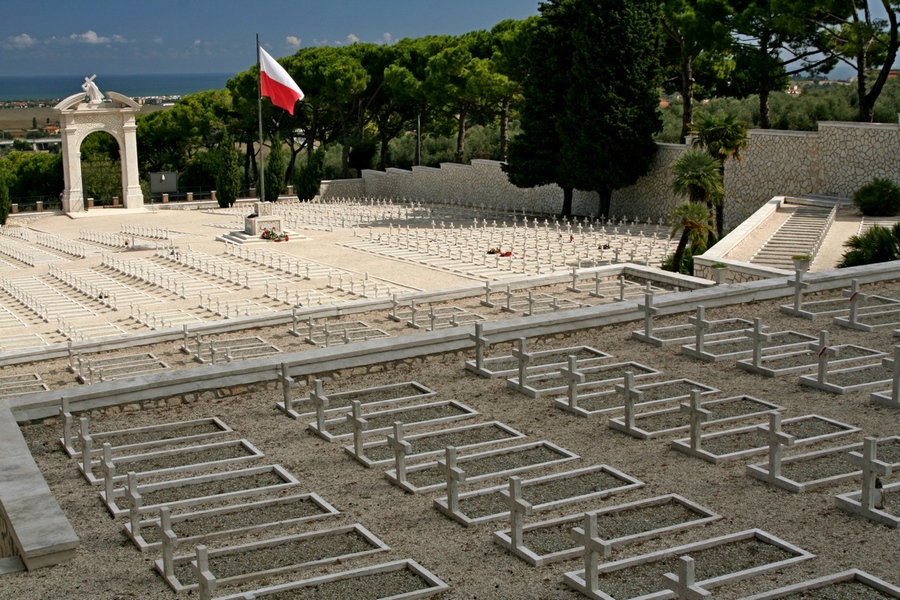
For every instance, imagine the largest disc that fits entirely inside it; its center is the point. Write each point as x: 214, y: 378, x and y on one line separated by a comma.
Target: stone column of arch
x: 79, y: 118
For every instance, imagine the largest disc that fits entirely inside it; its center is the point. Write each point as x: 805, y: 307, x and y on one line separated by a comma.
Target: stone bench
x: 33, y: 527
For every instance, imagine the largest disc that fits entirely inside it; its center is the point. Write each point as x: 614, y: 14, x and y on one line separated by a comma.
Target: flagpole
x: 262, y: 161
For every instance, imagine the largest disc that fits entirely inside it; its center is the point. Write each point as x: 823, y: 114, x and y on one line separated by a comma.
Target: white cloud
x: 119, y: 39
x: 352, y: 38
x: 293, y: 41
x: 19, y: 41
x: 387, y: 38
x: 89, y: 37
x: 158, y: 40
x: 197, y: 42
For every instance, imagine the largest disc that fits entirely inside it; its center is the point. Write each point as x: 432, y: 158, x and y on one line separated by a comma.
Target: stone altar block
x: 263, y: 218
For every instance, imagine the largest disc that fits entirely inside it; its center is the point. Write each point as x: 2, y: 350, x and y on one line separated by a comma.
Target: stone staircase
x: 799, y: 234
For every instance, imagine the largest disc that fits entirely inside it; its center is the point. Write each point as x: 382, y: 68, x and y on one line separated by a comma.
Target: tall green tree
x: 510, y: 46
x: 228, y: 178
x: 690, y: 221
x: 611, y: 108
x: 274, y: 171
x: 5, y: 202
x: 723, y: 137
x: 697, y: 176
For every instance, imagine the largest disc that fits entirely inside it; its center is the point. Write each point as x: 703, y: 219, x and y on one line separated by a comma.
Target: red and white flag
x: 276, y: 84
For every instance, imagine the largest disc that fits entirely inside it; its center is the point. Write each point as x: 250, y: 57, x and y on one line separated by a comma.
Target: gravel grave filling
x: 859, y: 376
x: 439, y: 442
x: 211, y: 488
x: 274, y: 557
x: 846, y: 590
x: 365, y: 587
x: 690, y: 330
x: 181, y: 460
x: 809, y: 358
x: 541, y: 383
x: 676, y: 390
x: 411, y: 415
x: 558, y: 538
x: 748, y: 440
x: 709, y: 563
x: 537, y: 361
x: 743, y: 345
x: 487, y: 465
x: 724, y: 410
x: 540, y: 493
x: 247, y: 517
x: 140, y: 437
x: 365, y: 396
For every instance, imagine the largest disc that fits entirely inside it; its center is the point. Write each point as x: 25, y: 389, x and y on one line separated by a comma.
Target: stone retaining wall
x: 833, y: 161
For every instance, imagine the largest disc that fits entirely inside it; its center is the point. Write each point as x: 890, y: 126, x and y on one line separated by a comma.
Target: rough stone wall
x: 775, y: 163
x: 833, y: 161
x: 855, y: 153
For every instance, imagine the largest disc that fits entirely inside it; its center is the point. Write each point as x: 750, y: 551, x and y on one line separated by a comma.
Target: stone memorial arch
x: 83, y: 114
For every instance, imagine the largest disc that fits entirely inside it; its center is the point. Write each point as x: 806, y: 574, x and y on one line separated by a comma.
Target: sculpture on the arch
x: 84, y: 113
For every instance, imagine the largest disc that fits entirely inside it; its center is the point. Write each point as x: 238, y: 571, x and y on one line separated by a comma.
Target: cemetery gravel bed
x: 727, y: 410
x: 487, y: 465
x: 180, y: 460
x: 368, y: 587
x: 674, y: 391
x: 809, y: 359
x: 411, y: 415
x: 458, y: 439
x: 466, y: 558
x: 748, y: 440
x: 538, y: 361
x: 612, y: 375
x: 150, y: 436
x: 746, y: 345
x: 211, y: 488
x: 871, y: 374
x: 848, y: 590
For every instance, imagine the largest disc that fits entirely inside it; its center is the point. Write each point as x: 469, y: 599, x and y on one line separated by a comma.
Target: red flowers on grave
x: 275, y: 236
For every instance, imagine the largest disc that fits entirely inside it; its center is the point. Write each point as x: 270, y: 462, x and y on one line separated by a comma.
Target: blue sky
x: 81, y: 37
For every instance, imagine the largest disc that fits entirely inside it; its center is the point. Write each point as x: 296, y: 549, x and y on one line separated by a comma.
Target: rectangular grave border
x: 563, y: 403
x: 843, y: 301
x: 533, y: 392
x: 435, y: 585
x: 661, y: 342
x: 861, y: 325
x: 369, y: 463
x: 288, y: 479
x: 143, y: 545
x: 850, y: 503
x: 563, y: 353
x: 618, y: 423
x: 707, y: 356
x: 502, y: 538
x: 684, y: 444
x: 100, y: 437
x: 575, y: 579
x: 425, y: 393
x: 121, y: 462
x: 565, y: 456
x: 178, y: 586
x: 813, y: 381
x: 761, y: 470
x: 747, y: 363
x: 465, y: 413
x: 630, y: 483
x: 848, y: 576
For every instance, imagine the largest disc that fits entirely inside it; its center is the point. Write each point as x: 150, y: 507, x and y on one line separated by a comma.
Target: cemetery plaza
x: 226, y: 428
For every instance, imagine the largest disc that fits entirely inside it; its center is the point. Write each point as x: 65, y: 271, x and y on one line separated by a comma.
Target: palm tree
x: 878, y: 244
x: 723, y: 137
x: 691, y: 219
x: 697, y: 176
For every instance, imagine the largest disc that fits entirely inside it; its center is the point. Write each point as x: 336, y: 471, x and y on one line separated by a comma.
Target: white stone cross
x: 359, y: 425
x: 894, y: 365
x: 519, y: 508
x: 453, y: 474
x: 871, y: 468
x: 524, y: 358
x: 320, y: 400
x: 108, y: 468
x: 776, y: 439
x: 87, y: 443
x: 594, y: 548
x: 698, y: 415
x: 168, y: 541
x: 573, y: 376
x: 135, y: 502
x: 67, y: 420
x: 481, y: 342
x: 825, y: 353
x: 684, y: 584
x: 855, y: 297
x: 649, y: 311
x: 799, y: 285
x: 287, y: 383
x: 206, y: 581
x: 401, y: 448
x: 631, y: 395
x: 701, y: 326
x: 759, y: 338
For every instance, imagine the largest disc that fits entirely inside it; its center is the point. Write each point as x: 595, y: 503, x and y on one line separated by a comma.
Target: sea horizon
x: 58, y: 87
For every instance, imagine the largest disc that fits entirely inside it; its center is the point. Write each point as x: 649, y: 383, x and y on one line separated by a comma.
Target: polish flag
x: 276, y: 84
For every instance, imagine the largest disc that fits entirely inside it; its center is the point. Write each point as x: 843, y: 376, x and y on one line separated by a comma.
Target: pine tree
x: 228, y: 180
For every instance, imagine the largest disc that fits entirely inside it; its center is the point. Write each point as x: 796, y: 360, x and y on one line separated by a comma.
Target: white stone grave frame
x: 423, y: 393
x: 435, y: 585
x: 707, y: 353
x: 641, y: 371
x: 618, y: 423
x: 819, y: 381
x: 486, y: 371
x: 465, y: 412
x: 367, y: 462
x: 565, y: 403
x: 862, y: 503
x: 891, y: 397
x: 100, y: 437
x: 683, y: 583
x: 117, y: 116
x: 888, y: 307
x: 289, y: 481
x: 683, y: 445
x: 121, y: 462
x: 564, y: 456
x: 178, y: 586
x: 628, y: 483
x: 575, y: 579
x: 769, y: 358
x: 144, y: 546
x: 504, y: 540
x: 850, y: 575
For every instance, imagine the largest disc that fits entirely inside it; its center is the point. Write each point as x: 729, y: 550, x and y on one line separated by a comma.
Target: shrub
x: 880, y: 198
x: 878, y: 244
